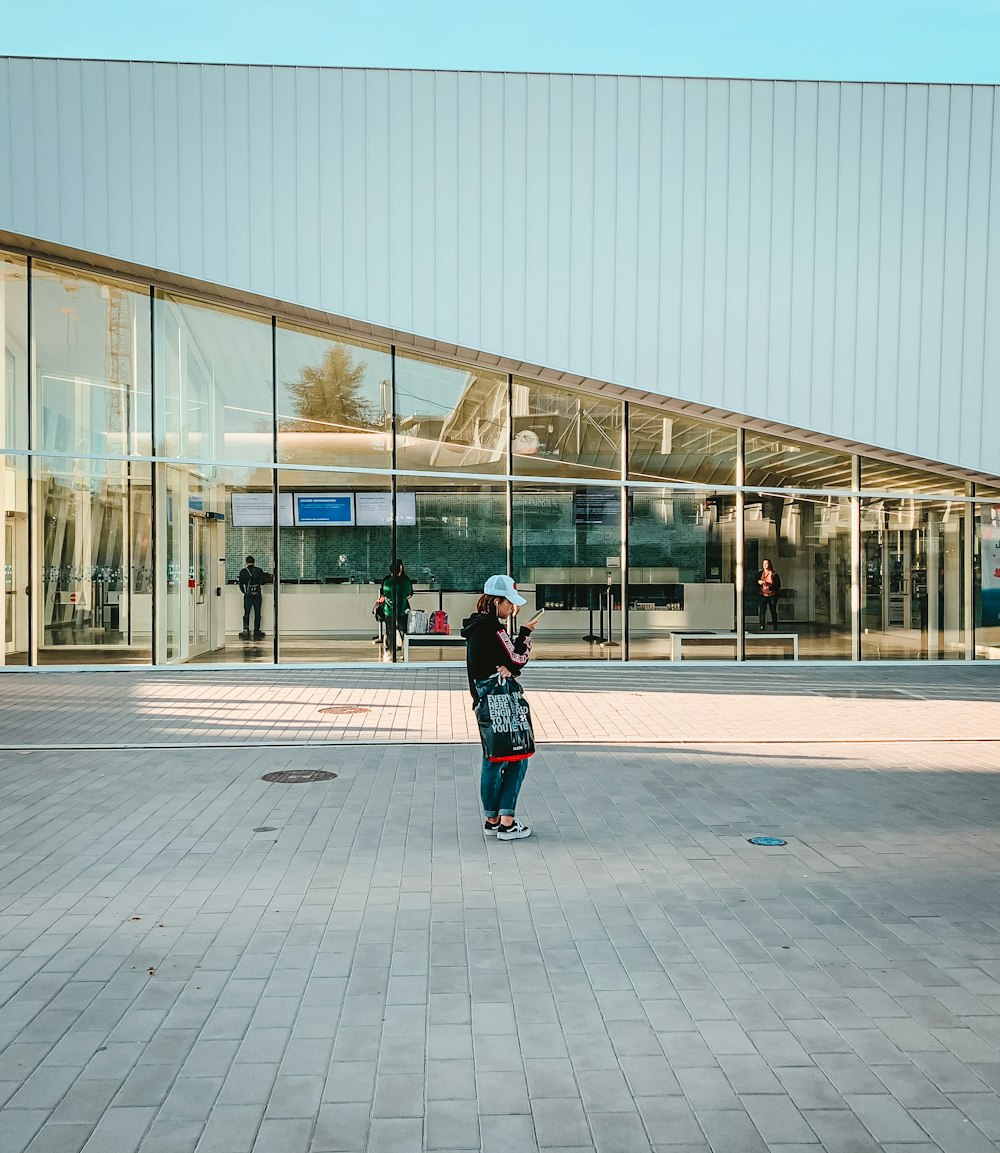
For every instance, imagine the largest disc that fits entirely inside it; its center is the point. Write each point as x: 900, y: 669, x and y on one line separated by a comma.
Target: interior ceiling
x: 883, y: 471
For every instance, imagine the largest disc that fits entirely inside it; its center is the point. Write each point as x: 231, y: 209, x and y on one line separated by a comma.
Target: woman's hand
x: 503, y: 672
x: 529, y: 625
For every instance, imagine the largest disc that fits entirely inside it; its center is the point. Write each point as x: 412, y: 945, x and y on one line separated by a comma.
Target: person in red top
x: 492, y: 652
x: 770, y: 587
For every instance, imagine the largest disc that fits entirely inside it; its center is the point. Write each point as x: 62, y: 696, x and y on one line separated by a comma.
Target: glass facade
x: 152, y: 441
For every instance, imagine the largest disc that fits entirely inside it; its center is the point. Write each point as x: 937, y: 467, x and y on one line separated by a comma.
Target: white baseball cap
x: 503, y: 586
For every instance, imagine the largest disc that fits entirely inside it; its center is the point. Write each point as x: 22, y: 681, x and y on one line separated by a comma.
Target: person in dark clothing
x: 491, y: 652
x: 769, y: 584
x: 251, y: 581
x: 396, y: 590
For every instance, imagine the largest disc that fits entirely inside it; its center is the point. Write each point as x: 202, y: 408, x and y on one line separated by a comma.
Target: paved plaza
x: 194, y: 960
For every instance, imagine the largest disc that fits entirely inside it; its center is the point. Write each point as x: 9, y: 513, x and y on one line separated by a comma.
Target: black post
x: 591, y: 635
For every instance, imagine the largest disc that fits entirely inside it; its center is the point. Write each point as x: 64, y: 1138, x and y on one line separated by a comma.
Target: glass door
x: 9, y: 589
x: 199, y: 600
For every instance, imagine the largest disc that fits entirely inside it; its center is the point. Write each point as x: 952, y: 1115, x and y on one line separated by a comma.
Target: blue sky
x: 846, y: 40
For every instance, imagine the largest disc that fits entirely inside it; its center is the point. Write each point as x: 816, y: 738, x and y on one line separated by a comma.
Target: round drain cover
x: 298, y: 776
x: 345, y: 709
x: 766, y: 841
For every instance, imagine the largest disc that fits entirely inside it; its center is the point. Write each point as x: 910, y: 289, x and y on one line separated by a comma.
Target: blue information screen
x: 324, y: 508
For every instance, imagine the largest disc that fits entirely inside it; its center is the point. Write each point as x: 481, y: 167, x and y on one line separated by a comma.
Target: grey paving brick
x: 284, y: 1136
x: 885, y: 1118
x: 120, y: 1129
x: 342, y: 1128
x: 453, y: 1124
x: 730, y: 1129
x: 53, y: 1138
x: 230, y: 1129
x: 618, y: 1133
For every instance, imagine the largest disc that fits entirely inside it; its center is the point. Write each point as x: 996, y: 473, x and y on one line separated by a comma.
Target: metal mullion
x: 155, y: 648
x: 968, y: 576
x: 624, y: 533
x: 857, y: 576
x: 393, y: 490
x: 34, y: 568
x: 740, y: 546
x: 275, y: 482
x: 509, y: 495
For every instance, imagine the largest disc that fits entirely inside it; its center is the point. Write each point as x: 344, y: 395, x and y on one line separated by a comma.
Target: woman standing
x: 397, y: 588
x: 769, y: 584
x: 491, y: 652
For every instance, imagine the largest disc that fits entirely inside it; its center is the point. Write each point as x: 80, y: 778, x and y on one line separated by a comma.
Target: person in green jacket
x: 397, y: 588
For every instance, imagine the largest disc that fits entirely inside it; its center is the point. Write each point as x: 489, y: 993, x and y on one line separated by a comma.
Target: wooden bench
x: 677, y: 640
x: 430, y: 640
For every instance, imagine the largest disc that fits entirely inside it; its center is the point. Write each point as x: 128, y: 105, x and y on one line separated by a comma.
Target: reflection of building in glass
x: 580, y: 365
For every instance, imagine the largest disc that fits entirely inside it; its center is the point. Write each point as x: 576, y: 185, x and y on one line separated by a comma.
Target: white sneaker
x: 514, y: 832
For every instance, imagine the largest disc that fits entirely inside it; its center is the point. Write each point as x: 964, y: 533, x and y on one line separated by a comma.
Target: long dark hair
x: 397, y: 571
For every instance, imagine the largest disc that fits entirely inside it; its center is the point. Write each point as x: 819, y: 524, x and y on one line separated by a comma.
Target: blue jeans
x: 499, y: 785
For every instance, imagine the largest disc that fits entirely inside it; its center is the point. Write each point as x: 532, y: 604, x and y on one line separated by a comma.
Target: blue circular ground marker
x: 767, y: 841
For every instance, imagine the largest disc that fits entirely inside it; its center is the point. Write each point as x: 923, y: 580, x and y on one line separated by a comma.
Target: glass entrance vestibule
x: 152, y: 441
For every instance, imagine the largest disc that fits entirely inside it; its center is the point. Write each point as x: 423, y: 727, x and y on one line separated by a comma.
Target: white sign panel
x: 256, y: 509
x: 375, y: 508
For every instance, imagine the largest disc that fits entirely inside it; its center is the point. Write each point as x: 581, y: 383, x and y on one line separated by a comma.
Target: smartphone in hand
x: 532, y: 620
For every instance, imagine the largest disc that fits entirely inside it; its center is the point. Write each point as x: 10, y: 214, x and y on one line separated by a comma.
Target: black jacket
x: 251, y: 579
x: 489, y: 645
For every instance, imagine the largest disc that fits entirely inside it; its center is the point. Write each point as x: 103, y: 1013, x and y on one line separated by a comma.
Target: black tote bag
x: 504, y: 720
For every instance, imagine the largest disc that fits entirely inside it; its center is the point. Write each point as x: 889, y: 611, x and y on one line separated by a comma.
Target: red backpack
x: 439, y: 622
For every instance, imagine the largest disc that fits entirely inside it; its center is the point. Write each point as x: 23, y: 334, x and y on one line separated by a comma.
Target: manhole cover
x: 266, y: 829
x: 767, y: 842
x: 345, y: 709
x: 298, y: 776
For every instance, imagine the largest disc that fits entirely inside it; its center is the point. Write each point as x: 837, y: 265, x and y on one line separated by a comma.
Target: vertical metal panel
x: 513, y: 270
x: 447, y: 196
x: 804, y: 205
x: 48, y: 146
x: 759, y: 246
x: 713, y: 325
x: 625, y: 288
x: 6, y: 146
x: 329, y: 229
x: 820, y: 254
x: 911, y: 267
x: 779, y: 349
x: 423, y: 218
x: 948, y: 380
x: 285, y: 180
x: 989, y: 394
x: 308, y: 203
x: 538, y: 174
x: 886, y: 383
x: 72, y: 209
x: 974, y: 289
x: 355, y: 111
x: 215, y: 191
x: 824, y: 316
x: 838, y: 403
x: 868, y: 271
x: 671, y: 238
x: 733, y: 391
x: 190, y: 177
x: 260, y: 176
x: 470, y: 209
x: 559, y: 248
x: 605, y: 211
x: 239, y: 237
x: 581, y: 206
x: 166, y: 192
x: 649, y: 193
x: 693, y: 227
x: 932, y: 285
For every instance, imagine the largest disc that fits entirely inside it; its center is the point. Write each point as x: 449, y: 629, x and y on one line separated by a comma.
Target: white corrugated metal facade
x: 825, y: 255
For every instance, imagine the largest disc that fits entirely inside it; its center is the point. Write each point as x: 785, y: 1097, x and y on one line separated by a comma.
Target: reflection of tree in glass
x: 330, y: 395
